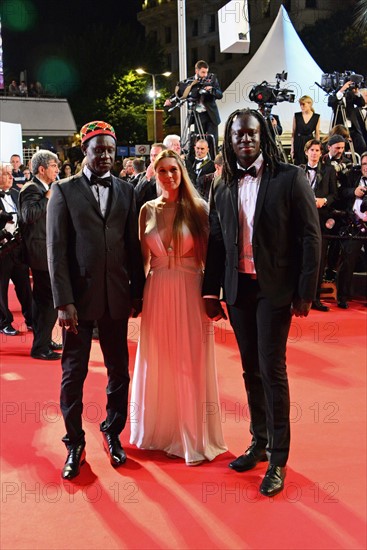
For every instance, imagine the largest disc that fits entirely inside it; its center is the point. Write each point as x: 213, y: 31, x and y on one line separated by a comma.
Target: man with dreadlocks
x: 264, y: 248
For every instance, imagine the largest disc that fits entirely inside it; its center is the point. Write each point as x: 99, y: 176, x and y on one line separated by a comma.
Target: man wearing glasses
x: 33, y: 200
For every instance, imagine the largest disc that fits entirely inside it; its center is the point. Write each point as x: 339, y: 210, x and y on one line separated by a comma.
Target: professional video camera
x: 332, y: 82
x: 268, y: 95
x: 191, y: 89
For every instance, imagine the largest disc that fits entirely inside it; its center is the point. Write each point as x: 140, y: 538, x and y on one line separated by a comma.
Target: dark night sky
x: 49, y: 21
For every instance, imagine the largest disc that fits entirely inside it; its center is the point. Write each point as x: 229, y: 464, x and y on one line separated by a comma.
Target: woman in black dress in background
x: 306, y: 126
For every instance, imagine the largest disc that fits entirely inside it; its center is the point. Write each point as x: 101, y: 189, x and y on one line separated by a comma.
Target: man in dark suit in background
x: 12, y: 265
x: 147, y: 188
x: 322, y: 179
x: 204, y: 90
x: 264, y: 248
x: 97, y: 275
x: 348, y: 99
x: 33, y: 200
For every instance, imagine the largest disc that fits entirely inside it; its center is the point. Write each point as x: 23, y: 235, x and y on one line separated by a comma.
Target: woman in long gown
x: 174, y: 403
x: 306, y: 126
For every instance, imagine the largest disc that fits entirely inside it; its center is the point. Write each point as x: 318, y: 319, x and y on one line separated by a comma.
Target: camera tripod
x: 187, y: 136
x: 340, y: 110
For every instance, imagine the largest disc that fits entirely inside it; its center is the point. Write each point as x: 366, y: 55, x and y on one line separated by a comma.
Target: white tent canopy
x: 281, y: 50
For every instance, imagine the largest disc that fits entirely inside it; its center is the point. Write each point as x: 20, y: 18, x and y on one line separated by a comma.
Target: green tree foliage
x: 101, y: 56
x: 337, y: 44
x: 125, y: 106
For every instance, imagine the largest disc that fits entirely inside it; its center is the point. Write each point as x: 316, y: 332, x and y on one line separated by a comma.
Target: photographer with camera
x: 336, y: 157
x: 274, y: 120
x: 12, y: 265
x: 353, y: 196
x: 203, y: 89
x: 350, y: 99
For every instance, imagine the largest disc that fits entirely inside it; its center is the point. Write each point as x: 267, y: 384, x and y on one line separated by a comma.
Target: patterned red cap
x: 95, y: 128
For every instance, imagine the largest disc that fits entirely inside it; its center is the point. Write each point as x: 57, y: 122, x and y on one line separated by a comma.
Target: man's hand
x: 150, y: 172
x: 68, y: 318
x: 320, y: 202
x: 300, y: 308
x: 136, y: 307
x: 359, y: 191
x: 214, y: 309
x: 346, y: 85
x: 167, y: 103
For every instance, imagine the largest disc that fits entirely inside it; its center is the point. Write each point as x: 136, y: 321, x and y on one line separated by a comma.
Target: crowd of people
x: 21, y: 89
x: 164, y: 238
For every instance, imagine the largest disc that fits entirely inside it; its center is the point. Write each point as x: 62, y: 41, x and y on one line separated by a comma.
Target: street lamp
x: 154, y: 94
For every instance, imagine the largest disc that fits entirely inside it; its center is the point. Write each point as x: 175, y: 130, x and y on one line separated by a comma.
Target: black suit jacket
x: 286, y: 239
x: 207, y: 167
x: 94, y: 262
x: 145, y: 190
x: 326, y: 188
x: 32, y: 223
x: 14, y: 193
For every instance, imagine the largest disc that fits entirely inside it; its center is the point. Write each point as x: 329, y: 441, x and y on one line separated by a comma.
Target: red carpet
x: 154, y: 502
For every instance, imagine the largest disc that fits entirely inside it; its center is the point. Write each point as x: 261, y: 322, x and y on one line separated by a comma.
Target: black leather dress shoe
x: 47, y: 356
x: 114, y: 449
x: 9, y: 330
x: 55, y: 346
x: 273, y: 481
x: 75, y: 458
x: 343, y: 304
x: 319, y: 306
x: 249, y: 459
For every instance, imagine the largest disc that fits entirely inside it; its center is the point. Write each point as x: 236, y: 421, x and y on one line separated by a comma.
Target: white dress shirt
x: 100, y: 192
x: 248, y: 188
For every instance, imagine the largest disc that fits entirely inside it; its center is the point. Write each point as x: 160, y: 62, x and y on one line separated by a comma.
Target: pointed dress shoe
x: 249, y: 459
x: 343, y: 304
x: 75, y: 458
x: 319, y: 306
x: 273, y: 481
x: 114, y: 449
x: 54, y: 346
x: 49, y: 355
x: 9, y: 330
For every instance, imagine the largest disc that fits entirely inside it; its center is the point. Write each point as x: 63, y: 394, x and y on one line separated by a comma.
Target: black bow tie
x: 106, y: 182
x: 241, y: 172
x: 310, y: 169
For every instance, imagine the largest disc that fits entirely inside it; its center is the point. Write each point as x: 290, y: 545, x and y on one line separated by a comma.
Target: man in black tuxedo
x: 201, y: 163
x: 33, y: 200
x: 322, y: 180
x: 12, y: 265
x: 264, y: 248
x: 204, y: 90
x: 96, y: 275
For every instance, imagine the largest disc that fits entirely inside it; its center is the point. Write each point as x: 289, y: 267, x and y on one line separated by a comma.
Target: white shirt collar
x: 88, y: 173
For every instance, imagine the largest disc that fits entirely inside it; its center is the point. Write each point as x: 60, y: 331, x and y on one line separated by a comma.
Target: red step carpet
x: 153, y: 502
